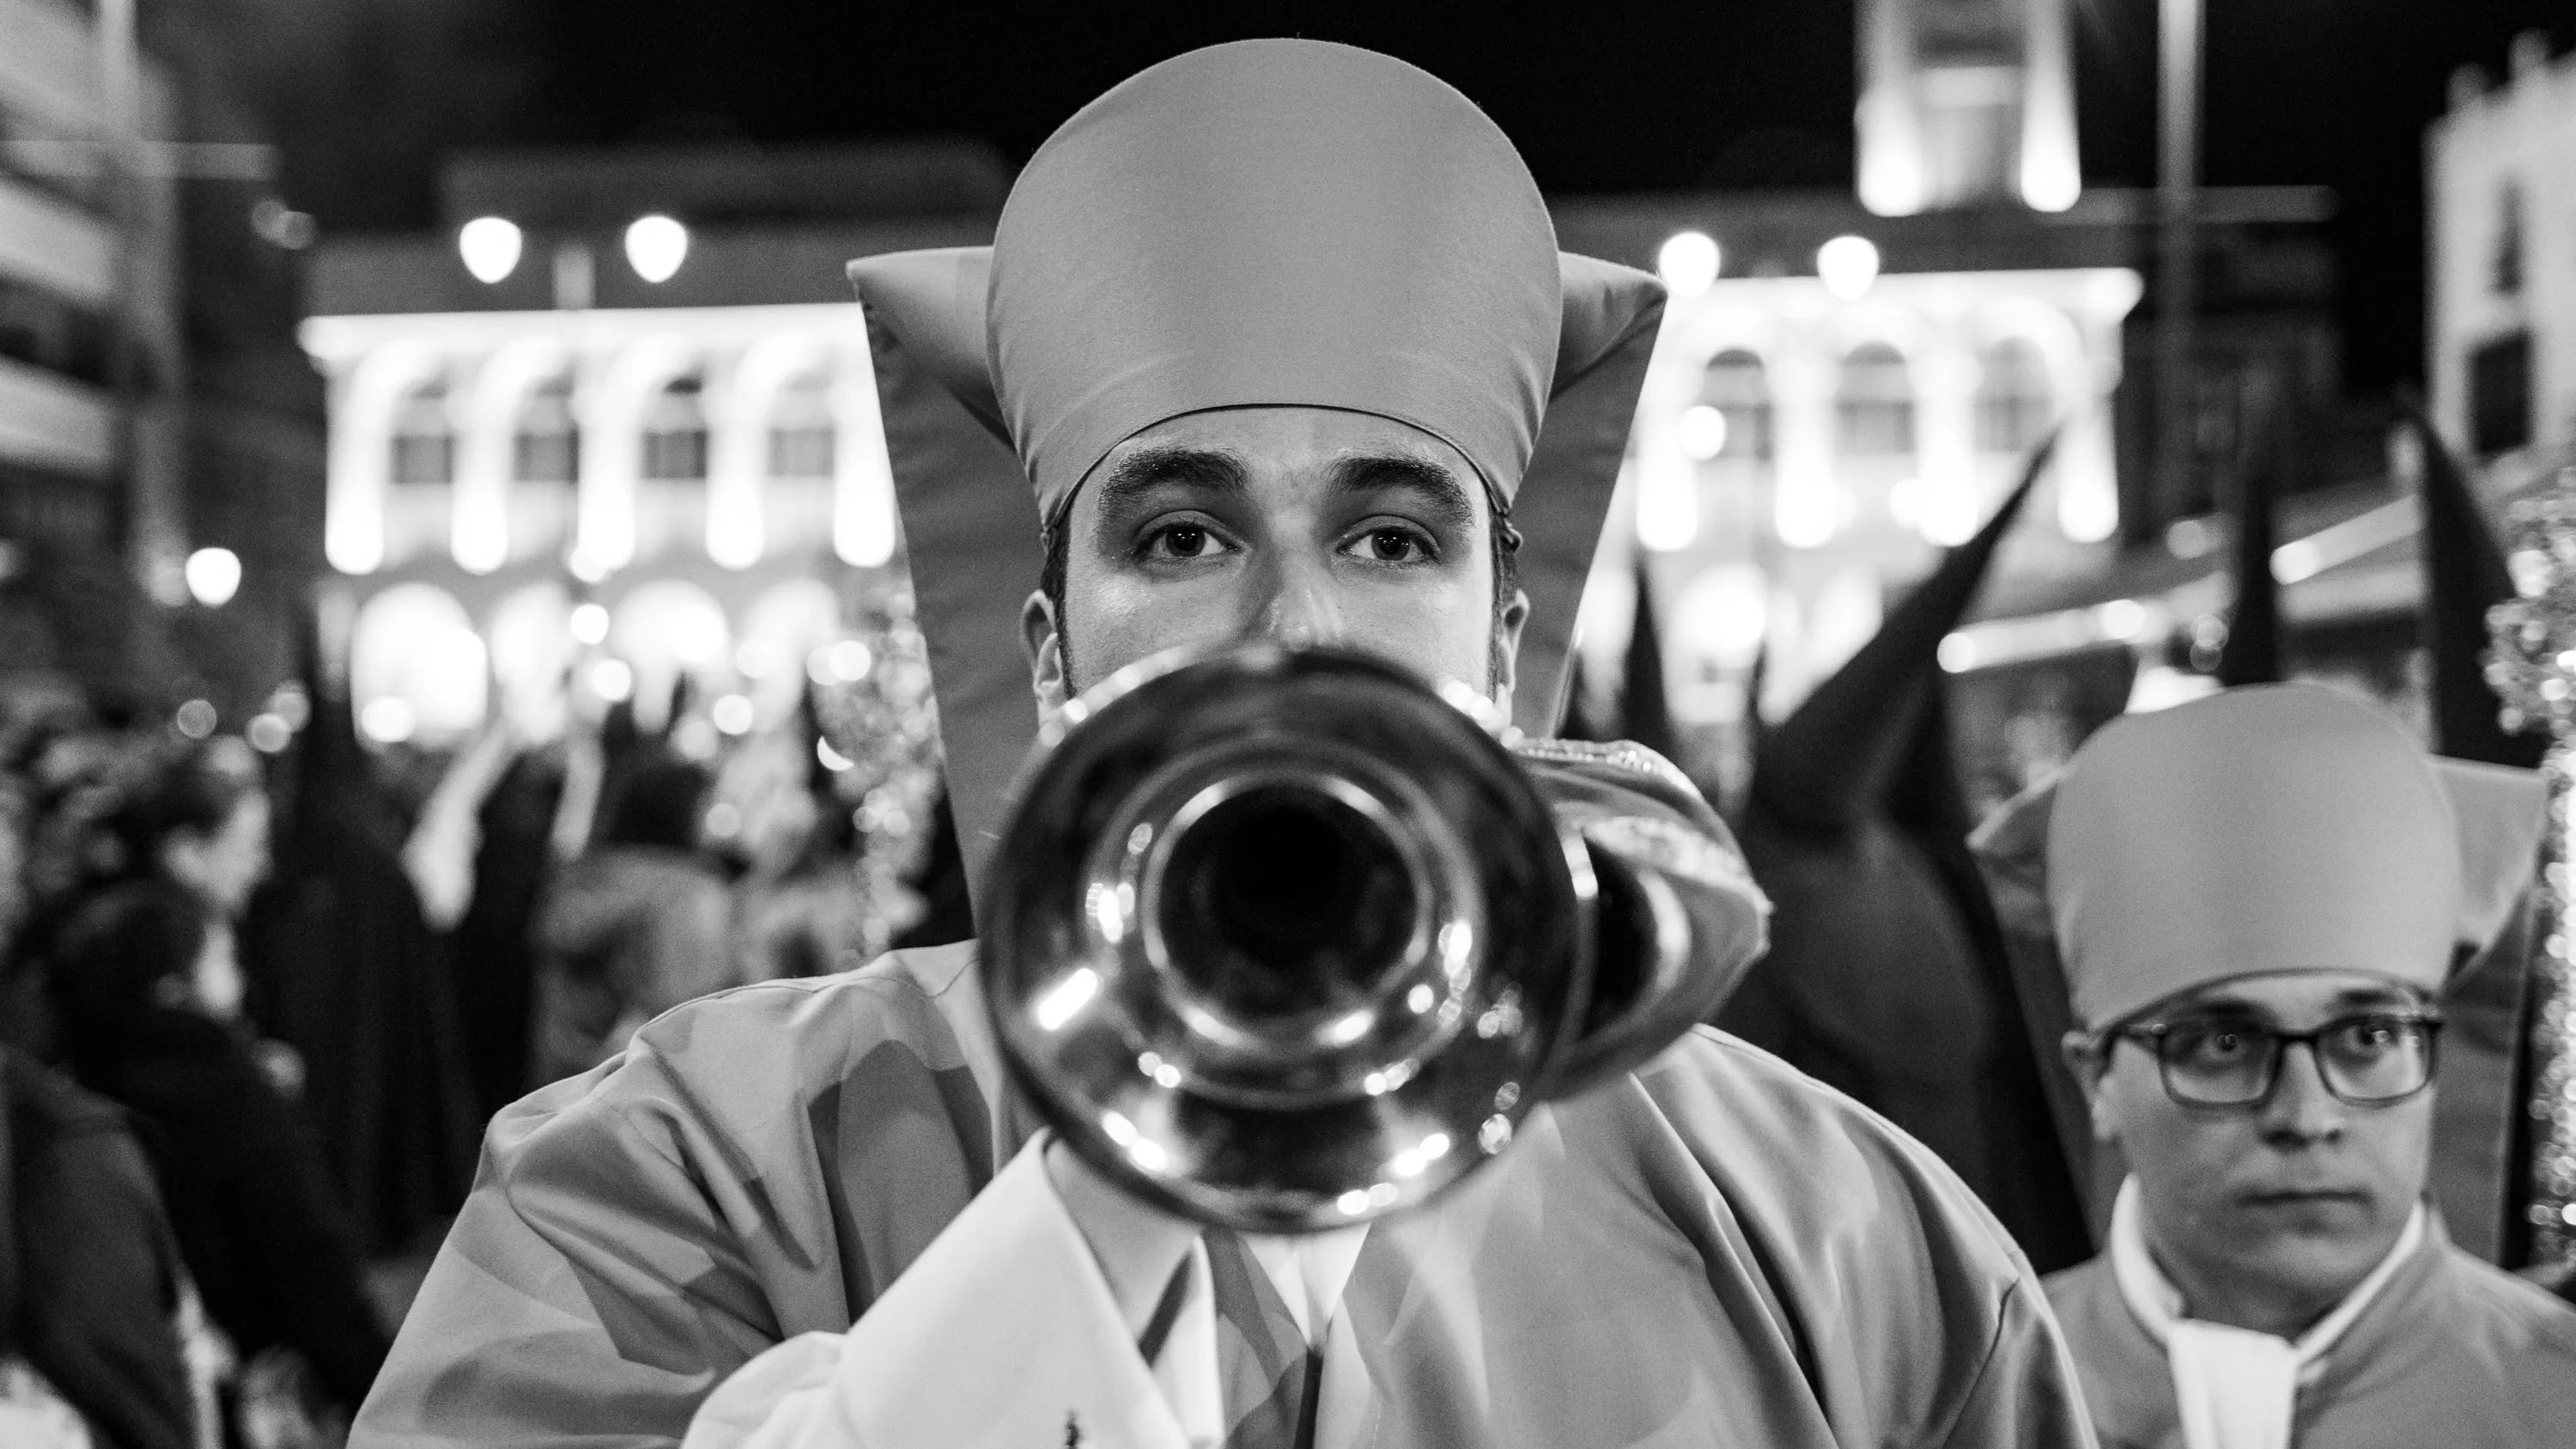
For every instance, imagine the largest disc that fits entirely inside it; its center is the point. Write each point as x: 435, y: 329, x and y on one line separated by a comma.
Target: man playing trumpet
x: 1278, y: 336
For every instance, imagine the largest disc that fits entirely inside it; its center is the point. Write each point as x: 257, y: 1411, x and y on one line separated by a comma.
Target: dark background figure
x: 1886, y: 976
x: 344, y: 969
x: 89, y: 1274
x: 947, y: 913
x: 139, y: 978
x: 637, y: 925
x: 493, y: 945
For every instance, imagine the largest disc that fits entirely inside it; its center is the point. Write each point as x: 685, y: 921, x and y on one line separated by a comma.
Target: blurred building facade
x: 531, y: 418
x: 2501, y: 207
x: 1839, y: 395
x: 152, y: 403
x: 91, y: 352
x: 613, y: 429
x: 1966, y: 102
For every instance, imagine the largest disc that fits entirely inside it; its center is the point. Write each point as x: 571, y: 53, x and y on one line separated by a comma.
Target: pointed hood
x: 2252, y: 654
x: 1833, y: 759
x: 1645, y: 709
x: 2464, y: 576
x: 330, y: 764
x: 1575, y: 721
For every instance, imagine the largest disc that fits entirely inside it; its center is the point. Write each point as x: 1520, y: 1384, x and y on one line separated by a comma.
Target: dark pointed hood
x: 1833, y: 760
x: 1576, y: 720
x: 330, y: 765
x: 2252, y: 654
x: 1645, y: 710
x: 2464, y: 576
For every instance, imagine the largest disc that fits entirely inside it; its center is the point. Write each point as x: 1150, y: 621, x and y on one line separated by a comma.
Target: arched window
x: 545, y: 447
x: 2013, y: 401
x: 800, y: 429
x: 424, y: 440
x: 675, y: 432
x: 421, y: 496
x: 545, y: 458
x: 1874, y: 406
x: 1737, y: 386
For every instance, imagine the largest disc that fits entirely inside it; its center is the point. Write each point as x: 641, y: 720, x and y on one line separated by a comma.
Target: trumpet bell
x: 1283, y: 940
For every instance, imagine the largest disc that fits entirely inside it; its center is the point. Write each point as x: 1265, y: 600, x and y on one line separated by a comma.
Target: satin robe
x: 2451, y: 1352
x: 1710, y: 1250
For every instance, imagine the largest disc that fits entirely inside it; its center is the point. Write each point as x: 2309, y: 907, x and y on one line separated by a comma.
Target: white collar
x: 2234, y: 1388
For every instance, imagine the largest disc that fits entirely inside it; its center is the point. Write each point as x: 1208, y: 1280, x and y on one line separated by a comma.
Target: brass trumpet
x: 1287, y: 940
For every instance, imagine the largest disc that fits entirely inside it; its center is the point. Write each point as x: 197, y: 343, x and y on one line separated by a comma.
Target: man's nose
x: 1297, y: 606
x: 2300, y: 1108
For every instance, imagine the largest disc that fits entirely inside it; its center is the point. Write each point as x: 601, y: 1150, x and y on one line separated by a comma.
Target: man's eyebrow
x: 1438, y: 487
x: 1146, y: 469
x: 2376, y: 996
x: 2230, y: 1005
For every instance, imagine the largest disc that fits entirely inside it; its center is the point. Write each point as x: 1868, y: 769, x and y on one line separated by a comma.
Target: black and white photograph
x: 1282, y: 724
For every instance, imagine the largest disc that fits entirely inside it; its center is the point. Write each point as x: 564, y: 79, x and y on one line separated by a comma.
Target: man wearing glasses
x: 2256, y: 898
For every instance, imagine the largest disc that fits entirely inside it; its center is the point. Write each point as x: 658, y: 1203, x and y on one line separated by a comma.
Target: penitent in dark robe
x: 344, y: 969
x: 1887, y: 977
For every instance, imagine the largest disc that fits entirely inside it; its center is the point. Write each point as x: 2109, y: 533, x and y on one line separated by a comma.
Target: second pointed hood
x: 2464, y: 576
x: 1831, y: 761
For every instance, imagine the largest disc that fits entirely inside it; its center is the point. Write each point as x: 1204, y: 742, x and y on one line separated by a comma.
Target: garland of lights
x: 2533, y: 669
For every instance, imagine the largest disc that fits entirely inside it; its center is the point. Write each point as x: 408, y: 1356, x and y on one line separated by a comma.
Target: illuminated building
x: 2501, y: 208
x: 675, y: 472
x: 1965, y: 102
x: 1814, y: 428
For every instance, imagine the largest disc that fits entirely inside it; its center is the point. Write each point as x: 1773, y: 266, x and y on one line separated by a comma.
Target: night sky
x: 1648, y: 94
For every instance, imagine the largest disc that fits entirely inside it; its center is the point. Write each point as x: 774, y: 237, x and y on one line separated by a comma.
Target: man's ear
x: 1507, y: 649
x: 1045, y: 650
x: 2091, y: 1068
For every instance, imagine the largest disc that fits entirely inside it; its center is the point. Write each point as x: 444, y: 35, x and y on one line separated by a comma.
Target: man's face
x: 2303, y: 1194
x: 1305, y: 526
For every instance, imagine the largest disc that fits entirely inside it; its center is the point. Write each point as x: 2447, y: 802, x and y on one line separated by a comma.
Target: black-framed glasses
x: 2366, y: 1060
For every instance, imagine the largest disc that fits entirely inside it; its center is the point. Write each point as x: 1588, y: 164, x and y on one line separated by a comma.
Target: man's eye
x: 2365, y: 1038
x: 1395, y: 545
x: 1181, y: 540
x: 2210, y: 1045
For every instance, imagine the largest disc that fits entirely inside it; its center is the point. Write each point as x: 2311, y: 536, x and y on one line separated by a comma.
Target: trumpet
x: 1288, y: 940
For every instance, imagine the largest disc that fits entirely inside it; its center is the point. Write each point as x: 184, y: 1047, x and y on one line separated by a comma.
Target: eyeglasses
x: 2368, y: 1060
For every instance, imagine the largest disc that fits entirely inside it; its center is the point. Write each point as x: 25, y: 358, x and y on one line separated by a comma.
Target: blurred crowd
x: 257, y: 1004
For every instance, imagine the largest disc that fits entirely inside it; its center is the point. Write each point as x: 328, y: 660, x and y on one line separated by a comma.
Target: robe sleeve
x: 2025, y: 1393
x: 589, y: 1288
x: 756, y: 1165
x: 1003, y: 1334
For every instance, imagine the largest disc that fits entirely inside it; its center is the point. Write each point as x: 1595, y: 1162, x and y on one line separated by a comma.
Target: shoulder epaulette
x: 1625, y: 755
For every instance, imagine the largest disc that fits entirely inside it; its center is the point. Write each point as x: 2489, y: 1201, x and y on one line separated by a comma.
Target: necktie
x: 1268, y: 1375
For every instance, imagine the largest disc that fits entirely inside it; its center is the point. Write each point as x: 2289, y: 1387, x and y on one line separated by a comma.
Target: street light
x: 1847, y: 265
x: 490, y: 247
x: 655, y: 247
x: 1702, y: 432
x: 1688, y: 263
x: 214, y: 575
